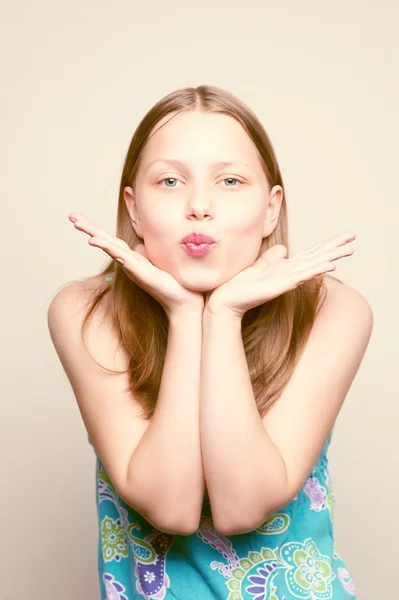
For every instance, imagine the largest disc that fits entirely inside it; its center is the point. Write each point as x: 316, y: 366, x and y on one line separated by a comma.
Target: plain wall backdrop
x: 77, y: 77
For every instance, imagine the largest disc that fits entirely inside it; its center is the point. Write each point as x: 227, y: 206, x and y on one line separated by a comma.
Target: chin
x: 201, y: 280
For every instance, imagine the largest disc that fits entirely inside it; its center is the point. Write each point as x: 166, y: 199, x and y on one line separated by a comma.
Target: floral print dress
x: 291, y: 555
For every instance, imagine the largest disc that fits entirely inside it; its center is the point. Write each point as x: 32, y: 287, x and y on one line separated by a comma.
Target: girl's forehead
x: 201, y: 138
x: 197, y: 122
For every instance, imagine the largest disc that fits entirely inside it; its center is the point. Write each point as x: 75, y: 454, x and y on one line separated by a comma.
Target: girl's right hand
x: 158, y: 283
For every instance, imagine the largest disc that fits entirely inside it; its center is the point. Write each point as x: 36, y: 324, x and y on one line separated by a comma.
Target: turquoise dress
x: 292, y: 555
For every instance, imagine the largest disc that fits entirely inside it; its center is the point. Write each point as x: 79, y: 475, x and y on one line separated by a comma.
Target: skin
x: 238, y: 213
x: 233, y: 204
x: 220, y: 288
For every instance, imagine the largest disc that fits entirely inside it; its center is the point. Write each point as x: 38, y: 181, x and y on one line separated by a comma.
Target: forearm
x: 167, y: 464
x: 241, y: 464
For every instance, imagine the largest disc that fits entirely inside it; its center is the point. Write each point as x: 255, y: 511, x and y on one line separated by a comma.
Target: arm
x: 155, y: 466
x: 167, y: 464
x: 255, y: 466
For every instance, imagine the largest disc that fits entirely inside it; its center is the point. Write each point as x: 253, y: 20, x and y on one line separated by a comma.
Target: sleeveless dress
x: 291, y: 555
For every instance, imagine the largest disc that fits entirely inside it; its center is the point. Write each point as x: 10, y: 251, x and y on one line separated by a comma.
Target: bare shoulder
x: 332, y: 282
x: 78, y: 290
x: 336, y: 287
x: 66, y: 314
x: 344, y: 300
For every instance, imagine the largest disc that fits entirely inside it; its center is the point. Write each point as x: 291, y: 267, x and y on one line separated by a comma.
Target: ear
x: 275, y: 200
x: 131, y: 205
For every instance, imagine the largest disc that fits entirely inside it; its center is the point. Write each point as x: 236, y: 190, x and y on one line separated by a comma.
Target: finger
x: 338, y: 241
x: 117, y: 252
x: 322, y: 258
x: 87, y: 226
x: 314, y: 271
x: 270, y: 255
x: 335, y: 253
x: 331, y: 242
x: 74, y: 216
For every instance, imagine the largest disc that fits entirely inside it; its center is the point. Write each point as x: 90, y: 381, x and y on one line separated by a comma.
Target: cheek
x: 161, y: 251
x: 162, y: 219
x: 245, y: 236
x: 162, y: 245
x: 240, y: 254
x: 247, y: 222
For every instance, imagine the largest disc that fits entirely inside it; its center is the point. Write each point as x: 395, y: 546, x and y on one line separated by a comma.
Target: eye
x: 232, y: 179
x: 167, y: 179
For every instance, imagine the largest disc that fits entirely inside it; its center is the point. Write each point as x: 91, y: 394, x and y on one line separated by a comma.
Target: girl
x: 213, y: 368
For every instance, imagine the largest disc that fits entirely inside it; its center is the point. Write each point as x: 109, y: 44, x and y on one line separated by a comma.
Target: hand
x: 272, y: 274
x: 137, y: 266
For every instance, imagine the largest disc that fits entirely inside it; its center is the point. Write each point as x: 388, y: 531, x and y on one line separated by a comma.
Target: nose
x: 198, y: 207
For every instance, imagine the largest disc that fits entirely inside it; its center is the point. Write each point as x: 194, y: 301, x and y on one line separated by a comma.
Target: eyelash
x: 234, y: 179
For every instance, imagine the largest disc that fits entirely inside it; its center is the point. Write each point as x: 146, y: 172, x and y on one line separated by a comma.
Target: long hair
x: 274, y: 333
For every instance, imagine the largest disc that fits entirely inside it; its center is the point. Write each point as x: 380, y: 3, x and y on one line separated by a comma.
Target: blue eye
x: 174, y: 179
x: 232, y: 179
x: 167, y: 179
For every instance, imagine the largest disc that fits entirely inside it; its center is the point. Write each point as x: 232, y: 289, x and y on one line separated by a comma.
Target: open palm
x: 158, y: 283
x: 272, y: 274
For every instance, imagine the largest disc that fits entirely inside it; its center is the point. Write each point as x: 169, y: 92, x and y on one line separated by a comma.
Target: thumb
x: 271, y: 255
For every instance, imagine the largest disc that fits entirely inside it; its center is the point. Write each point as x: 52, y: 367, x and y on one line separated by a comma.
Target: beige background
x: 77, y: 78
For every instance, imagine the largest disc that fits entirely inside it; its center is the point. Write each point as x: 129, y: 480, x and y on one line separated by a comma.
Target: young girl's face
x: 231, y: 203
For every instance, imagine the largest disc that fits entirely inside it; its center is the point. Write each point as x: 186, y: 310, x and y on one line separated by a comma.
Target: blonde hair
x: 274, y: 333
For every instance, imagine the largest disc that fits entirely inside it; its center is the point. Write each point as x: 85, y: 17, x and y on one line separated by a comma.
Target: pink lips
x: 197, y: 238
x: 197, y: 244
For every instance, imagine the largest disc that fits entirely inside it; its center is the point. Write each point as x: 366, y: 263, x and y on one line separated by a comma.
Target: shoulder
x: 345, y: 308
x: 77, y: 292
x: 66, y: 314
x: 72, y: 300
x: 341, y: 293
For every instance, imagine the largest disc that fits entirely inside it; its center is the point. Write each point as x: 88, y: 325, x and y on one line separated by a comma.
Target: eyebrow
x: 179, y: 163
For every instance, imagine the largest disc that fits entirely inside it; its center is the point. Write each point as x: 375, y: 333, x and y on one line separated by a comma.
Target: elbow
x: 167, y: 521
x: 164, y: 520
x: 237, y: 528
x: 179, y: 527
x: 237, y: 524
x: 257, y: 518
x: 256, y: 509
x: 229, y: 527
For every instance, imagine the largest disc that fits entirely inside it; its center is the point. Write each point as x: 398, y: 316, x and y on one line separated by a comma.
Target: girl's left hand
x: 272, y: 275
